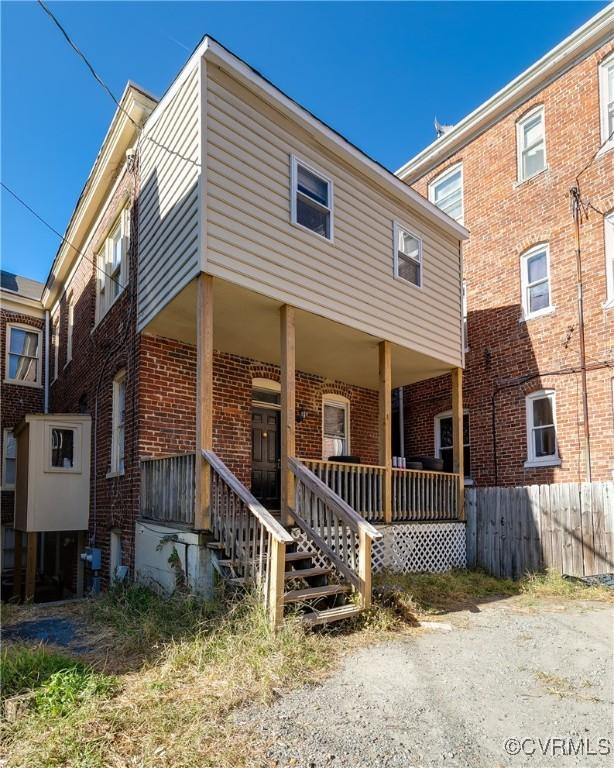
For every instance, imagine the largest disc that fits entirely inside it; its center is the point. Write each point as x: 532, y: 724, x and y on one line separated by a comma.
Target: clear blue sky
x: 376, y: 72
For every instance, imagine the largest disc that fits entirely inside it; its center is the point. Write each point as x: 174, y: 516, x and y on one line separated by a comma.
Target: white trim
x: 524, y: 283
x: 5, y: 434
x: 55, y: 340
x: 608, y: 246
x: 437, y: 432
x: 465, y: 318
x: 119, y: 381
x: 396, y: 231
x: 104, y: 263
x: 70, y: 326
x: 603, y: 103
x: 442, y: 177
x: 338, y: 401
x: 7, y: 343
x: 295, y: 161
x: 559, y: 59
x: 533, y: 460
x: 12, y: 302
x: 520, y: 147
x: 270, y: 384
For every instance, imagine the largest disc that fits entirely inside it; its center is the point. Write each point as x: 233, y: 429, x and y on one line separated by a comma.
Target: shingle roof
x: 22, y: 286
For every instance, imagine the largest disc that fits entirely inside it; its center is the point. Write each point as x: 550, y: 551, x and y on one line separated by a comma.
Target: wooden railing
x: 359, y: 485
x: 168, y: 488
x: 251, y: 537
x: 338, y: 531
x: 421, y: 495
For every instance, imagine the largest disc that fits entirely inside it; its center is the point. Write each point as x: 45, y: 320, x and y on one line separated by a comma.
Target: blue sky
x: 376, y: 72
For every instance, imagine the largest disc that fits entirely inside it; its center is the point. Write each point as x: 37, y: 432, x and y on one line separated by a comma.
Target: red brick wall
x: 17, y: 399
x: 505, y: 219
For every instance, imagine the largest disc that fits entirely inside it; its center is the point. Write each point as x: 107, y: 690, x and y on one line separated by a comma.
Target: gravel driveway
x: 453, y: 695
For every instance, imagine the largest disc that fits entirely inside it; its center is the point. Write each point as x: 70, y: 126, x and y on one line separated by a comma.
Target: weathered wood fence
x: 565, y: 526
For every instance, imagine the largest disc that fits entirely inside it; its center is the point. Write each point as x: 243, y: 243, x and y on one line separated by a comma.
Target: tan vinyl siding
x: 251, y: 241
x: 168, y: 201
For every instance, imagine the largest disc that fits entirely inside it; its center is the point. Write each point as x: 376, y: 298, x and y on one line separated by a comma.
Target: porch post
x: 385, y: 425
x: 458, y: 453
x: 288, y: 408
x: 31, y: 565
x: 204, y: 398
x: 17, y: 566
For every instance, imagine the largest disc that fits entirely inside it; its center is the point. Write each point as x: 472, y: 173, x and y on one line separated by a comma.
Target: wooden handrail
x: 275, y: 528
x: 305, y: 460
x: 351, y: 517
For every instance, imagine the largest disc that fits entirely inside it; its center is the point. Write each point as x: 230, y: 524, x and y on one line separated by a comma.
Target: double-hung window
x: 118, y: 440
x: 446, y: 191
x: 9, y: 459
x: 541, y: 429
x: 23, y: 355
x: 69, y: 328
x: 112, y: 265
x: 606, y: 100
x: 465, y: 323
x: 444, y: 442
x: 407, y: 256
x: 55, y: 338
x: 535, y: 280
x: 335, y: 426
x: 312, y: 199
x: 531, y: 144
x: 608, y: 235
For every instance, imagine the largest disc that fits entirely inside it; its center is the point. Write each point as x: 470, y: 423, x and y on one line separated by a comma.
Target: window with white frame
x: 9, y: 459
x: 112, y: 265
x: 535, y: 280
x: 606, y: 100
x: 407, y: 256
x: 444, y: 441
x: 312, y: 199
x: 119, y: 424
x: 608, y: 236
x: 55, y: 340
x: 23, y: 355
x: 531, y: 144
x: 446, y: 191
x: 335, y: 426
x: 465, y: 330
x: 62, y: 448
x: 541, y: 429
x: 69, y: 327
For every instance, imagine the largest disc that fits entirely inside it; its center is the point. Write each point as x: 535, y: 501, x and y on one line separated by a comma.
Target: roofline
x: 212, y: 50
x: 579, y: 44
x: 10, y: 301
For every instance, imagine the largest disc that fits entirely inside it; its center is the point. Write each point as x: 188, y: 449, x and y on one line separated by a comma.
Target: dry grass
x: 552, y: 585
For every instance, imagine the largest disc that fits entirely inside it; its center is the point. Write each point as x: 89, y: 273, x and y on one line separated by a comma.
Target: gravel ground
x: 454, y: 694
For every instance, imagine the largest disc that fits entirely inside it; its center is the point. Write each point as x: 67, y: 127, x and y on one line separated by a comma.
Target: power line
x: 593, y: 156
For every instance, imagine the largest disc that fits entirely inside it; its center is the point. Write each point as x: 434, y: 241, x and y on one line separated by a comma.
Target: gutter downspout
x: 46, y: 394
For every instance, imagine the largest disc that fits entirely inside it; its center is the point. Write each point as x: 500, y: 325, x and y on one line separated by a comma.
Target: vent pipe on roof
x: 441, y: 129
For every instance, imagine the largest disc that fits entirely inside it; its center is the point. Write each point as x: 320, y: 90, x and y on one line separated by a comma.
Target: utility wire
x: 593, y: 156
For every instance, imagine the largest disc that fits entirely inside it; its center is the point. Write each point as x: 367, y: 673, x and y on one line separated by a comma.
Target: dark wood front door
x: 265, y: 457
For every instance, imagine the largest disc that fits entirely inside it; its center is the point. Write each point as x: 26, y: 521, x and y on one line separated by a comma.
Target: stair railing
x: 251, y: 537
x: 337, y: 530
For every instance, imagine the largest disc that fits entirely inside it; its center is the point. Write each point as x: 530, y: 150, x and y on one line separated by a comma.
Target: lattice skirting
x: 407, y: 548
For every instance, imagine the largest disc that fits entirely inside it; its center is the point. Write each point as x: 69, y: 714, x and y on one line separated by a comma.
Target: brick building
x: 506, y: 172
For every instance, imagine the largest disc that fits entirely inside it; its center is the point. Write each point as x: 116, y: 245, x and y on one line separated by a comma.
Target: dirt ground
x: 455, y: 695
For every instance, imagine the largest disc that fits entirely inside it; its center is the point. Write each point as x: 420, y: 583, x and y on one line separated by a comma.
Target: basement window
x: 312, y: 199
x: 407, y: 256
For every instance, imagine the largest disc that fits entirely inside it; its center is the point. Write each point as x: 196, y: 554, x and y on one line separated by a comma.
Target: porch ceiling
x: 247, y: 324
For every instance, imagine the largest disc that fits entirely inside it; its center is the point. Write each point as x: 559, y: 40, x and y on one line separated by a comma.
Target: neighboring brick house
x: 506, y: 172
x: 22, y: 355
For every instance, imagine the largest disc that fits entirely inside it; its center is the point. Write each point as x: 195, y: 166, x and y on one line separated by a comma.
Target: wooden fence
x: 565, y: 526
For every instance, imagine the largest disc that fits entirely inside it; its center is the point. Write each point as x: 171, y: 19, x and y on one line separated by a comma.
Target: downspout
x: 46, y: 394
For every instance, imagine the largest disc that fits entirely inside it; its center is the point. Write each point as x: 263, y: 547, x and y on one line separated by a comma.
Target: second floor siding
x: 251, y: 241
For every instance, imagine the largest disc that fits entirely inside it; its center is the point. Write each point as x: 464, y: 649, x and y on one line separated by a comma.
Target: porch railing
x: 336, y: 529
x: 168, y: 488
x: 359, y: 485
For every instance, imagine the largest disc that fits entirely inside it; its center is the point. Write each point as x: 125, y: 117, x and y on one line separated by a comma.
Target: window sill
x: 605, y: 149
x: 66, y: 364
x: 520, y: 182
x: 113, y: 474
x: 99, y: 320
x: 536, y: 464
x: 609, y: 304
x: 18, y: 383
x: 313, y: 232
x: 541, y: 313
x: 407, y: 282
x: 468, y: 482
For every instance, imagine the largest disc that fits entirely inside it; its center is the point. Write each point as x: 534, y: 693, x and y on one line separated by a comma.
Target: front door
x: 265, y: 457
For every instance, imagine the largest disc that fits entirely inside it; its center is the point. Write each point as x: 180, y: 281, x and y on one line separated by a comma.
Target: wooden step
x: 298, y: 595
x: 306, y: 573
x: 292, y: 557
x: 329, y: 615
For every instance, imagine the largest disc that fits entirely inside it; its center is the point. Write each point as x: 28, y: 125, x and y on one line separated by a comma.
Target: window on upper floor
x: 444, y: 442
x: 70, y: 321
x: 9, y: 459
x: 407, y: 256
x: 55, y: 340
x: 312, y: 199
x: 535, y: 280
x: 335, y: 426
x: 23, y: 355
x: 446, y: 191
x: 531, y: 144
x: 541, y: 429
x: 465, y: 324
x: 118, y: 440
x: 112, y: 265
x: 608, y: 237
x: 606, y: 100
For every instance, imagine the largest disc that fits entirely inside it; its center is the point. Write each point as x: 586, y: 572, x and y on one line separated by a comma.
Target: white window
x: 531, y: 144
x: 606, y: 99
x: 23, y: 352
x: 446, y: 191
x: 465, y: 330
x: 335, y: 426
x: 444, y: 442
x: 119, y: 424
x: 55, y: 339
x: 69, y: 328
x: 407, y: 256
x: 535, y: 280
x: 9, y: 459
x: 608, y: 234
x: 541, y: 429
x: 112, y: 265
x: 312, y: 199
